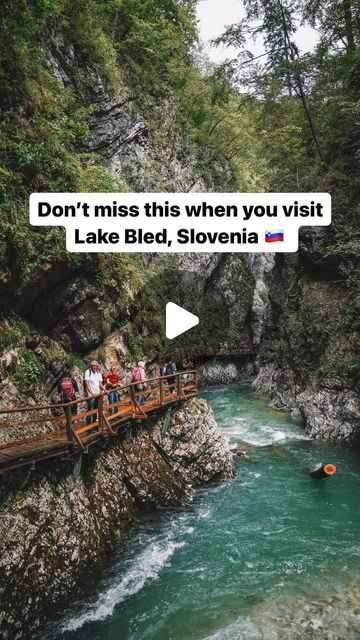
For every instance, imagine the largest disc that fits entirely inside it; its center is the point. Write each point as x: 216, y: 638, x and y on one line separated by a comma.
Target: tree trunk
x: 349, y: 27
x: 289, y: 48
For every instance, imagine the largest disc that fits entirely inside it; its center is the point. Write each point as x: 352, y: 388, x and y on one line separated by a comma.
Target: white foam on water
x: 242, y: 629
x: 146, y: 567
x: 260, y: 436
x: 276, y: 435
x: 204, y: 513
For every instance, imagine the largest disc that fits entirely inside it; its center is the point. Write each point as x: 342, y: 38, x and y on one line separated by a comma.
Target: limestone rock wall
x: 194, y: 444
x: 329, y: 409
x: 223, y: 371
x: 310, y: 343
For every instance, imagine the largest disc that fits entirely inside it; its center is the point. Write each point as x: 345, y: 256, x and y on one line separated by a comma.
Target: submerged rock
x: 240, y: 453
x: 56, y: 529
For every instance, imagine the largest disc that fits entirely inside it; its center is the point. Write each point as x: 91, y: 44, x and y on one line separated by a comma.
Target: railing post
x: 161, y: 392
x: 196, y: 381
x: 100, y: 413
x: 178, y: 385
x: 69, y: 427
x: 132, y: 394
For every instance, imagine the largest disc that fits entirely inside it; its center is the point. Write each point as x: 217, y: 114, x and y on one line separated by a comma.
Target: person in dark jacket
x: 68, y: 388
x: 168, y: 369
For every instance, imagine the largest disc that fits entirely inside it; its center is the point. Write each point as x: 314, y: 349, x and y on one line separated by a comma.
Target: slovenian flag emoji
x: 274, y: 236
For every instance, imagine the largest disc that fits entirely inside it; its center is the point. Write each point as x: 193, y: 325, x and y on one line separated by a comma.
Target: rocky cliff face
x: 310, y: 344
x: 118, y: 131
x: 71, y: 304
x: 195, y: 445
x: 218, y: 288
x: 215, y: 372
x: 121, y: 316
x: 56, y: 529
x: 244, y: 286
x: 328, y: 408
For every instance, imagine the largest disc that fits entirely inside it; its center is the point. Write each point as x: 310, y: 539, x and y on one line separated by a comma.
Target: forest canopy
x: 285, y: 122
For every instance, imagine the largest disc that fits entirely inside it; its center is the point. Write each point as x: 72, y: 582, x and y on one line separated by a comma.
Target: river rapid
x: 269, y: 555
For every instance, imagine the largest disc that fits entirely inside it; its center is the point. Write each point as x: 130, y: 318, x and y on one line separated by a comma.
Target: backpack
x: 170, y: 368
x: 136, y: 374
x: 67, y: 389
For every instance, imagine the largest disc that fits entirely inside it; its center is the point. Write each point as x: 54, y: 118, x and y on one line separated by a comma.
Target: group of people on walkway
x: 97, y: 383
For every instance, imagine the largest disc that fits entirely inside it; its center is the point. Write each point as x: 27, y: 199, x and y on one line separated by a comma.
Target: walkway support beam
x: 69, y: 425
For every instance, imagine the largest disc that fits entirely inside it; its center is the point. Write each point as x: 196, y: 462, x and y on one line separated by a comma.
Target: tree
x: 278, y: 24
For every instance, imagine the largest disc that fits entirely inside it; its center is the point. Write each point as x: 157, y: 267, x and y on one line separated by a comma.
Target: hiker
x: 94, y: 385
x: 68, y: 388
x: 112, y: 380
x: 186, y: 365
x: 169, y: 368
x: 138, y: 375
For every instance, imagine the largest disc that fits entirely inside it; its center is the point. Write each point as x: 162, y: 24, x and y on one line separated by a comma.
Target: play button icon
x: 178, y: 320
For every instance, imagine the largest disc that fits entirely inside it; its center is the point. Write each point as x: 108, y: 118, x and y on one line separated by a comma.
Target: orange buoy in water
x: 323, y: 472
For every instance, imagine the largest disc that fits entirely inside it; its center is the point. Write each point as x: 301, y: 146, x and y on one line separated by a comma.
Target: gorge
x: 115, y: 96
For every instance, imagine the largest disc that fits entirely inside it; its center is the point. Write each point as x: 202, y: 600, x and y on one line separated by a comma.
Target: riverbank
x: 56, y: 528
x: 328, y: 410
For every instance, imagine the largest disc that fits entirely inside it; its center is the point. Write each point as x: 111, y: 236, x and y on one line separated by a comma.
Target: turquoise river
x: 271, y: 554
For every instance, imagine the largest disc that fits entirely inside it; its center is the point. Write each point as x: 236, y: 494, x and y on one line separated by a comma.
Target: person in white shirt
x: 94, y: 385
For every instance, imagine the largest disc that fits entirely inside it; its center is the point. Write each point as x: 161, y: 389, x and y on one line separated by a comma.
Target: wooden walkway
x: 238, y: 349
x: 67, y: 436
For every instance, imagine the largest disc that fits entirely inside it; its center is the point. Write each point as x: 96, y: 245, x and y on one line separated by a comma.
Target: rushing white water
x: 144, y: 568
x: 242, y: 629
x: 260, y: 429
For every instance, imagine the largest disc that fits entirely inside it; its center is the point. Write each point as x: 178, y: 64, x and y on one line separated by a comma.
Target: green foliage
x: 352, y: 314
x: 87, y: 25
x: 348, y: 367
x: 134, y: 345
x: 310, y: 103
x: 10, y: 337
x: 297, y: 129
x: 21, y: 22
x: 154, y: 38
x: 29, y: 371
x: 264, y: 295
x: 120, y: 271
x: 106, y: 327
x: 43, y: 148
x: 12, y: 331
x: 74, y: 360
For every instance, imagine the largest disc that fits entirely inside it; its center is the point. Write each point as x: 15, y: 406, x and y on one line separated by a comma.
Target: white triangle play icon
x: 178, y: 320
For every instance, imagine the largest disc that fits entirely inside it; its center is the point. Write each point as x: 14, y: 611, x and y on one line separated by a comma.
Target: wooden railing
x: 53, y: 430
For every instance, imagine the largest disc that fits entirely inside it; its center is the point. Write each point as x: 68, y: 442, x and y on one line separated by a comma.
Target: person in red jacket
x: 112, y: 380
